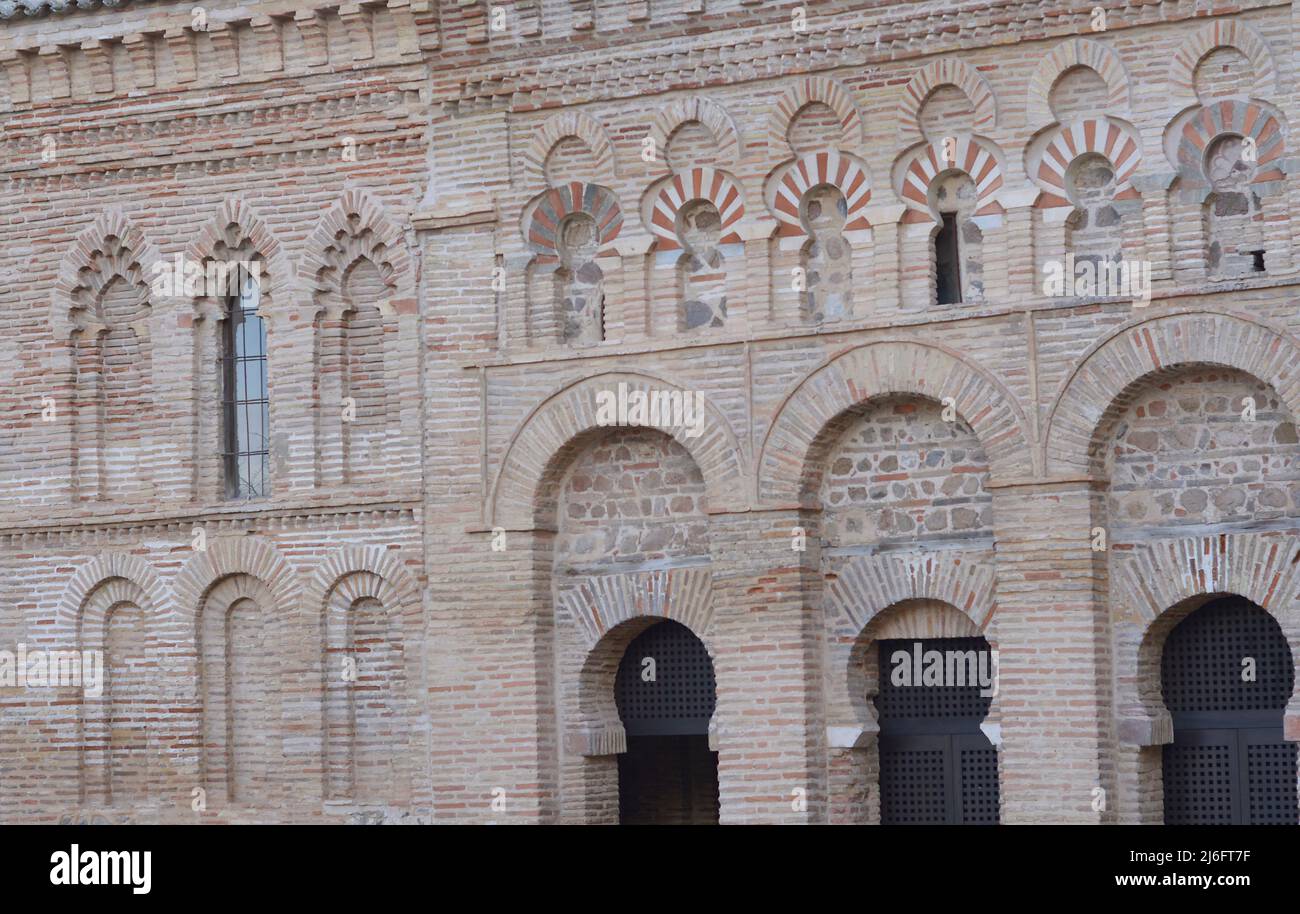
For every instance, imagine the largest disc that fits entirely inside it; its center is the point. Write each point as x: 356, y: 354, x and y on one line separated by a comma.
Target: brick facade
x: 479, y: 224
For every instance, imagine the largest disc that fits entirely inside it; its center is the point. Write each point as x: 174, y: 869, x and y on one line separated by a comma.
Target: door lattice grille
x: 934, y: 702
x: 1202, y: 664
x: 680, y: 699
x: 1271, y: 782
x: 1198, y: 785
x: 936, y: 765
x: 913, y: 786
x: 1228, y: 763
x: 979, y: 786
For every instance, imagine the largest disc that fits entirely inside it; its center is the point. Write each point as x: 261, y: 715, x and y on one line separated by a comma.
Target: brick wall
x: 422, y: 619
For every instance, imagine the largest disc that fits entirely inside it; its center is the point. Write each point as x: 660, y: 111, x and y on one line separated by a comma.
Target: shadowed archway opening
x: 1226, y: 674
x: 937, y: 766
x: 666, y: 693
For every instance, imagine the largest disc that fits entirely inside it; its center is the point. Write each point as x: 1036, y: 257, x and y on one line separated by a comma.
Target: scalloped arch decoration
x: 357, y: 226
x: 695, y: 184
x: 113, y: 223
x: 278, y: 276
x: 835, y: 168
x: 972, y: 155
x: 542, y: 218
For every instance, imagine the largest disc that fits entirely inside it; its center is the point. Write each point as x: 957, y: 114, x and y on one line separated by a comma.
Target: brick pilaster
x: 1053, y: 643
x: 771, y: 738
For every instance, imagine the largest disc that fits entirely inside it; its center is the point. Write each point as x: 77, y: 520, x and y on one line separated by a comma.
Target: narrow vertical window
x: 947, y: 261
x: 246, y: 413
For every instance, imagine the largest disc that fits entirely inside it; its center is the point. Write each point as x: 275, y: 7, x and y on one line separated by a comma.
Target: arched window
x: 958, y: 241
x: 246, y: 420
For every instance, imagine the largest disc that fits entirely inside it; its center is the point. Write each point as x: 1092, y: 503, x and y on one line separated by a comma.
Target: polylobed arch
x: 1096, y: 392
x: 113, y: 223
x: 277, y: 280
x: 804, y: 424
x: 358, y: 227
x: 549, y: 437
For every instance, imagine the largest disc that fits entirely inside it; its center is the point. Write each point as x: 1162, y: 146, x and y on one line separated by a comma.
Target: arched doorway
x: 937, y: 767
x: 665, y: 692
x: 1226, y: 675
